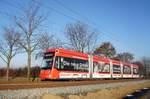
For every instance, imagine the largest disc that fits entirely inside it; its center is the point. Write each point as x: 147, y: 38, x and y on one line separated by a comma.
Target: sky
x: 125, y: 23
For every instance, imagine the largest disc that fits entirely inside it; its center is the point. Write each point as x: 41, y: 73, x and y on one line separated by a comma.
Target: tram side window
x: 96, y: 67
x: 106, y: 68
x: 135, y: 70
x: 66, y: 63
x: 126, y: 70
x: 101, y: 67
x: 62, y: 63
x: 116, y: 69
x: 81, y: 65
x: 71, y: 64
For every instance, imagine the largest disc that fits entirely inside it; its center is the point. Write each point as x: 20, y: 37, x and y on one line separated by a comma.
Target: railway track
x: 49, y: 84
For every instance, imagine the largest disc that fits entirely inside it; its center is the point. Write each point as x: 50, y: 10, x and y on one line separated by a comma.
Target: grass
x: 17, y: 80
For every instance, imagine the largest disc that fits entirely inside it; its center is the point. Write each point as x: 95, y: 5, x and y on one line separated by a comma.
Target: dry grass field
x: 16, y: 80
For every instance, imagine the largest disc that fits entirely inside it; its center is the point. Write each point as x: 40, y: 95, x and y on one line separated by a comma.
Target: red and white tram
x: 65, y: 64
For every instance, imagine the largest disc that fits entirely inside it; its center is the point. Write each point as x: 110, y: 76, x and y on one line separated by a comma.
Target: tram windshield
x: 47, y: 60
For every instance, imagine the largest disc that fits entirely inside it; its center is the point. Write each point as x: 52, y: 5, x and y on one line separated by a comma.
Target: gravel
x: 37, y: 93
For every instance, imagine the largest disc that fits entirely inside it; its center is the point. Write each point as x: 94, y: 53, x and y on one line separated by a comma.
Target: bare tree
x: 80, y: 37
x: 105, y: 49
x: 125, y: 57
x: 47, y: 41
x: 29, y: 26
x: 9, y: 47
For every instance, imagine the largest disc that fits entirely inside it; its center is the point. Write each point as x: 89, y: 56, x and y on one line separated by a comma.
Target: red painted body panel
x: 103, y: 59
x: 115, y: 62
x: 134, y: 65
x: 45, y: 74
x: 71, y: 54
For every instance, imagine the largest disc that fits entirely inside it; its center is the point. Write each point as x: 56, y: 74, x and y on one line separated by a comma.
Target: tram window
x: 135, y: 70
x: 101, y: 67
x: 47, y: 64
x: 57, y: 63
x: 116, y: 69
x: 67, y: 64
x: 83, y: 66
x: 126, y: 70
x: 47, y: 61
x: 96, y: 67
x: 106, y: 68
x: 71, y: 64
x: 48, y: 55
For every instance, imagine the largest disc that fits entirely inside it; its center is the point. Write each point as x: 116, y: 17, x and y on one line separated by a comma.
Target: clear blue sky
x: 125, y: 23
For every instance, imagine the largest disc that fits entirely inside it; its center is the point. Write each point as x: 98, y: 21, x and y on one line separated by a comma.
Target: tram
x: 66, y: 64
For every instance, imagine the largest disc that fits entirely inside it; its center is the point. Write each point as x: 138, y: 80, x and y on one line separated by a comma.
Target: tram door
x: 90, y: 59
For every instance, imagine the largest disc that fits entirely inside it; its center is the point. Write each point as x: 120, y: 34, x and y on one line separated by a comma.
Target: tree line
x: 18, y: 72
x: 25, y: 35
